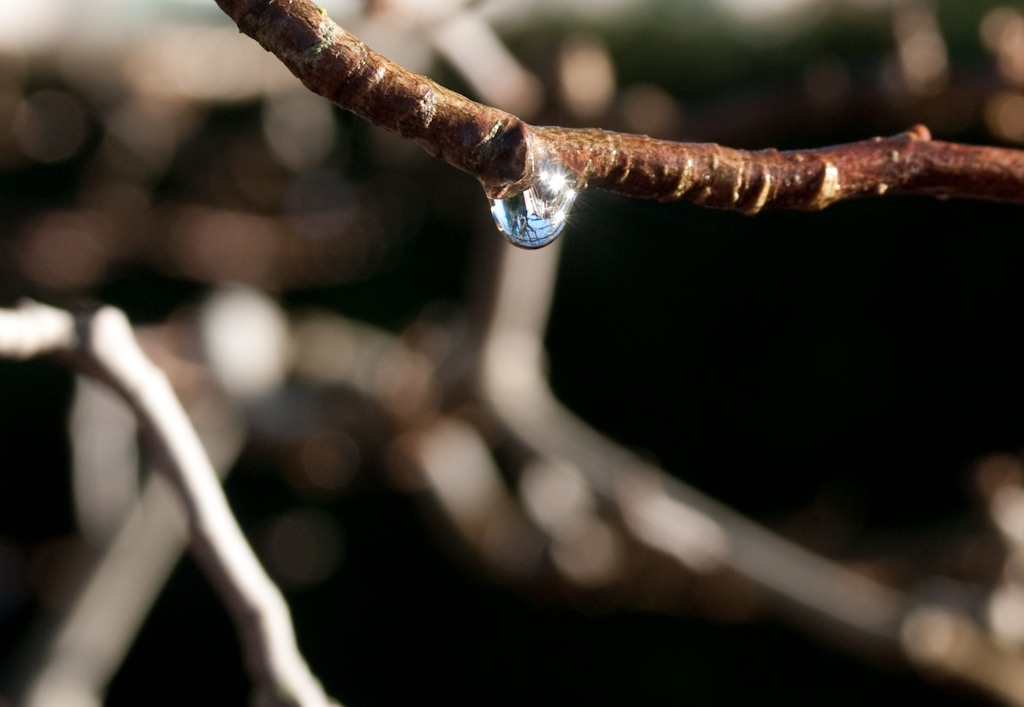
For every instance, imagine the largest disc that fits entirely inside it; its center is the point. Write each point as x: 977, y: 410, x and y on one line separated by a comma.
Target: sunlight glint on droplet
x: 537, y: 216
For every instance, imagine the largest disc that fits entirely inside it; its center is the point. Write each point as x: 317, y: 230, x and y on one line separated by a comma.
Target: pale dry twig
x: 103, y: 345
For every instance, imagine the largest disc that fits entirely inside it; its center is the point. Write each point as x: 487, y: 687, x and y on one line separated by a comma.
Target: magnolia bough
x: 498, y: 148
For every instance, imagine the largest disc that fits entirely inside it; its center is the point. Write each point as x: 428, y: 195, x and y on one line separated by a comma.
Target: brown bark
x: 498, y: 148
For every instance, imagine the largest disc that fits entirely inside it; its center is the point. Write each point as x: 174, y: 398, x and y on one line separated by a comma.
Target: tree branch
x: 35, y: 329
x: 501, y: 150
x: 105, y: 347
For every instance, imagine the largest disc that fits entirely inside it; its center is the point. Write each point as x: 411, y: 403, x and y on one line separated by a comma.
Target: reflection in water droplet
x: 535, y: 217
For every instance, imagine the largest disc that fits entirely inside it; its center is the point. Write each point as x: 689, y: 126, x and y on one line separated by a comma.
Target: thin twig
x: 105, y: 347
x: 80, y: 659
x: 35, y: 329
x: 660, y: 511
x: 502, y: 151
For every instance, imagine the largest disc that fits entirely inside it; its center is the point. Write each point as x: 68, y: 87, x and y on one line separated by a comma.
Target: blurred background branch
x: 105, y: 348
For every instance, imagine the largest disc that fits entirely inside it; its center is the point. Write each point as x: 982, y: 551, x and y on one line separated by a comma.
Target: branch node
x: 830, y: 189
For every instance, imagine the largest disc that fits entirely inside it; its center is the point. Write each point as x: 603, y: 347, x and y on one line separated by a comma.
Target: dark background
x: 859, y: 360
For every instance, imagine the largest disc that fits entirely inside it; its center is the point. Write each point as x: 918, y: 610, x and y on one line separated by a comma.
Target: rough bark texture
x: 720, y: 177
x: 484, y: 141
x: 498, y: 148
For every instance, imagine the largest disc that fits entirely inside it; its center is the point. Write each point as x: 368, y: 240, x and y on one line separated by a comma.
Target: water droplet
x: 535, y: 217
